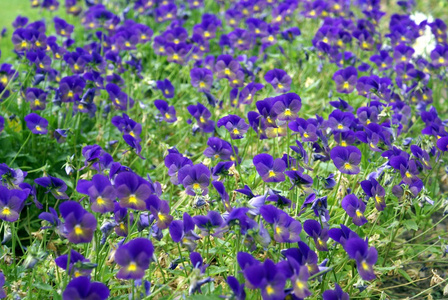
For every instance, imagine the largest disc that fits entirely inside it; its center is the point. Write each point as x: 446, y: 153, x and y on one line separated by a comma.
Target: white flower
x: 426, y: 42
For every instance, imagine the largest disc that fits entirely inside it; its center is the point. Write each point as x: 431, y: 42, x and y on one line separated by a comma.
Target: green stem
x: 21, y: 147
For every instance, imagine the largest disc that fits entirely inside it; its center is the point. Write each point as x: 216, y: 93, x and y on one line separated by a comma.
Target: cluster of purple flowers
x: 292, y: 190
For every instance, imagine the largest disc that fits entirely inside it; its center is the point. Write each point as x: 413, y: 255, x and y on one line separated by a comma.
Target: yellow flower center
x: 162, y: 217
x: 271, y: 173
x: 6, y: 211
x: 300, y: 285
x: 236, y: 131
x: 280, y: 86
x: 348, y: 166
x: 100, y: 200
x: 132, y: 267
x: 133, y: 199
x: 78, y: 230
x: 378, y: 199
x: 38, y: 128
x: 269, y: 290
x: 196, y: 186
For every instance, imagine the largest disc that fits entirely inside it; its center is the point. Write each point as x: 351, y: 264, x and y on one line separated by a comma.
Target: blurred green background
x: 9, y: 10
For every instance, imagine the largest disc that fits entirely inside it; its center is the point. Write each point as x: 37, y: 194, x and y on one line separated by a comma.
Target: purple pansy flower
x: 374, y: 190
x: 236, y: 126
x: 336, y: 294
x: 73, y: 269
x: 36, y: 123
x: 279, y: 80
x: 365, y: 257
x: 202, y: 79
x: 317, y: 233
x: 195, y: 179
x: 83, y: 288
x: 269, y: 169
x: 11, y: 203
x: 167, y: 113
x: 134, y: 258
x: 183, y: 232
x: 100, y: 191
x: 79, y: 225
x: 166, y: 88
x: 355, y: 209
x: 202, y: 116
x: 286, y: 228
x: 119, y: 98
x: 346, y: 159
x: 132, y: 190
x: 346, y: 79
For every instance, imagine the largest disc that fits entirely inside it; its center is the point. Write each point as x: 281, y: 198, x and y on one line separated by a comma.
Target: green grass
x: 9, y: 10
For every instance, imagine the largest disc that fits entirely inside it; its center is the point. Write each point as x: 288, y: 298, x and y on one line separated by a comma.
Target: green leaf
x: 405, y: 275
x: 410, y: 224
x: 43, y: 286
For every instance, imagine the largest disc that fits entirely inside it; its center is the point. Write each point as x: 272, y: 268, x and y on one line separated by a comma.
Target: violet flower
x: 346, y: 159
x: 286, y: 228
x: 134, y: 258
x: 319, y: 235
x: 236, y: 126
x: 166, y: 88
x: 336, y: 294
x: 36, y: 123
x: 279, y: 79
x: 202, y: 79
x: 195, y: 179
x: 374, y: 190
x: 11, y: 203
x: 269, y: 169
x: 355, y: 209
x: 75, y: 266
x: 100, y: 191
x: 79, y: 225
x: 346, y: 79
x: 365, y: 257
x: 83, y: 288
x: 132, y: 190
x: 167, y: 113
